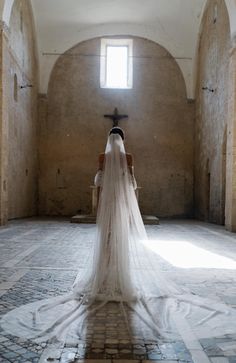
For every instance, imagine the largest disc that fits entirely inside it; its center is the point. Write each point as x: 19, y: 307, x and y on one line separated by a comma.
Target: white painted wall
x: 173, y: 24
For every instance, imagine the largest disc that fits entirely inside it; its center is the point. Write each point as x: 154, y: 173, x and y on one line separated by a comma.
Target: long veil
x: 121, y: 269
x: 119, y: 223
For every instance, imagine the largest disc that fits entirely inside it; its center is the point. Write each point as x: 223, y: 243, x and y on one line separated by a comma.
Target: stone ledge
x: 89, y: 218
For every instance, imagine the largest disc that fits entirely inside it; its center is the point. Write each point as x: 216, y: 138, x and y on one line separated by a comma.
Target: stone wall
x: 3, y: 128
x: 230, y: 202
x: 211, y: 114
x: 20, y: 70
x: 159, y: 131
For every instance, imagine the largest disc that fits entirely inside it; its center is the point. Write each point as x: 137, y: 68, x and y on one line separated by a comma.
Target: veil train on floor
x: 120, y: 269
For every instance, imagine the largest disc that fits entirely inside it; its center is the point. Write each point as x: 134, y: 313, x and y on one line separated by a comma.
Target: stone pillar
x: 230, y: 202
x: 4, y: 66
x: 42, y: 131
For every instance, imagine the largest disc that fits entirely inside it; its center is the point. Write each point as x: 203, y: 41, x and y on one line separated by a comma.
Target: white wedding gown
x: 122, y: 270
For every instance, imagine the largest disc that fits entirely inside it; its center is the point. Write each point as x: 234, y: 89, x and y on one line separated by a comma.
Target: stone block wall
x: 212, y: 114
x: 230, y: 207
x: 184, y: 152
x: 159, y: 131
x: 21, y: 103
x: 3, y: 128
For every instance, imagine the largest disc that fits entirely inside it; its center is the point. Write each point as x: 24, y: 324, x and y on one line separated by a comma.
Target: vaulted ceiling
x: 174, y: 24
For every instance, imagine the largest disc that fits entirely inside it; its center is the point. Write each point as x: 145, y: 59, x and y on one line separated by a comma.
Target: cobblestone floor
x: 40, y: 258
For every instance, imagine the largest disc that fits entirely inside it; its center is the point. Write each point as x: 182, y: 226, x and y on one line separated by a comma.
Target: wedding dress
x: 120, y: 269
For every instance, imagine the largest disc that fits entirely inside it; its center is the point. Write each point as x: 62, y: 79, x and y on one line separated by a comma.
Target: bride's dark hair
x: 117, y: 130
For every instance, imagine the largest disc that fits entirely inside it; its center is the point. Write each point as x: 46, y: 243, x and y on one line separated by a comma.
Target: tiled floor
x: 41, y: 258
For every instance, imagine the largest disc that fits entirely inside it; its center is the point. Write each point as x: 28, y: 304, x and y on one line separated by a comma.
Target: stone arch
x: 231, y: 8
x: 5, y: 13
x: 184, y: 73
x: 74, y: 110
x: 6, y: 8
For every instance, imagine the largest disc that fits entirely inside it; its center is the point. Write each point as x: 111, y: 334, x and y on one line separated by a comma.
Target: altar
x: 91, y: 218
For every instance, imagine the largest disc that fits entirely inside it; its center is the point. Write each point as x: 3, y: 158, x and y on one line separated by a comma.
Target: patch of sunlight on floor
x: 186, y: 255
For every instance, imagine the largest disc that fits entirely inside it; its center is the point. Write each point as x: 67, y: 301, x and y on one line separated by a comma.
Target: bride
x: 122, y: 270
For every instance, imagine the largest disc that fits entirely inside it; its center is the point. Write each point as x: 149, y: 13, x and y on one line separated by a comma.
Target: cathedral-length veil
x: 121, y: 269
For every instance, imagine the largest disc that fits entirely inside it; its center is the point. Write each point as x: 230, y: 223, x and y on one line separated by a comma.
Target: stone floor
x: 41, y: 258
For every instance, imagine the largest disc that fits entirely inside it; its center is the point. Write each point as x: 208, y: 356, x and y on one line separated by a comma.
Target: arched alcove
x: 159, y: 130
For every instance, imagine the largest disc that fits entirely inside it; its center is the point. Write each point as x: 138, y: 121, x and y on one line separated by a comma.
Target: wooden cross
x: 116, y: 117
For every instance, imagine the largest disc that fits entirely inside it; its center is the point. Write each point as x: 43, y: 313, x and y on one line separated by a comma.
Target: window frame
x: 116, y: 42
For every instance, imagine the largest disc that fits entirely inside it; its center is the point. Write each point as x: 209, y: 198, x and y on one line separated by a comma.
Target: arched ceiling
x: 173, y: 24
x: 60, y: 24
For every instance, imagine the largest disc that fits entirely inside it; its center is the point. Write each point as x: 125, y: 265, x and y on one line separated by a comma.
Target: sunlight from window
x: 116, y: 63
x: 117, y: 67
x: 186, y: 255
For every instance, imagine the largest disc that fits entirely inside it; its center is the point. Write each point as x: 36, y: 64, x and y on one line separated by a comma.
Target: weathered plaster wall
x: 3, y: 129
x: 159, y: 132
x: 21, y: 69
x: 230, y: 200
x: 211, y: 114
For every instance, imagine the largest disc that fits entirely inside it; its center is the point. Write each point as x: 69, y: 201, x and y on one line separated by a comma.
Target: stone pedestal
x: 95, y: 197
x: 91, y: 218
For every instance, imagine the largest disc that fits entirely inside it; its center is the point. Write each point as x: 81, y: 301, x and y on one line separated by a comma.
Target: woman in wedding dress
x: 122, y: 270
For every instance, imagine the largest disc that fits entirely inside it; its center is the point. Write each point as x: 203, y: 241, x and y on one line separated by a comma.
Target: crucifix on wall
x: 115, y: 117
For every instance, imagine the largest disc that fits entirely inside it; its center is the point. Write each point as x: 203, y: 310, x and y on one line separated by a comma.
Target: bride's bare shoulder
x: 101, y: 160
x: 101, y: 156
x: 129, y: 158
